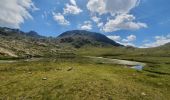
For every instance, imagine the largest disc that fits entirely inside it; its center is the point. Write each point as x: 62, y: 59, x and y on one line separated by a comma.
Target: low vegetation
x: 33, y: 67
x: 52, y: 79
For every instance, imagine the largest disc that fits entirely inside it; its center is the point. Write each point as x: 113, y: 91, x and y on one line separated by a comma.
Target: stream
x: 131, y: 64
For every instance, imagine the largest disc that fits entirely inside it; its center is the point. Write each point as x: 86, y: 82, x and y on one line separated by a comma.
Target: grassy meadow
x: 82, y: 79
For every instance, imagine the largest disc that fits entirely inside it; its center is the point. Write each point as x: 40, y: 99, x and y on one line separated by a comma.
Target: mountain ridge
x: 79, y: 38
x: 16, y: 43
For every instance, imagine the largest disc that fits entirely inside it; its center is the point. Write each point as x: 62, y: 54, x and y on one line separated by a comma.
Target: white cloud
x: 111, y: 6
x: 120, y: 6
x: 58, y: 17
x: 73, y: 2
x: 128, y: 41
x: 97, y: 6
x: 14, y: 12
x: 123, y: 21
x: 86, y: 26
x: 129, y: 38
x: 72, y: 8
x: 100, y: 24
x: 119, y: 10
x: 159, y: 40
x: 128, y: 44
x: 95, y: 19
x: 114, y: 37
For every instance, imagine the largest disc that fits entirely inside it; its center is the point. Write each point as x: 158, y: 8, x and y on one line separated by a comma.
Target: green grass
x: 86, y: 81
x: 157, y: 59
x: 123, y: 51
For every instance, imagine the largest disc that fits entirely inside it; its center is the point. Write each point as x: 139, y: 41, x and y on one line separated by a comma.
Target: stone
x: 143, y: 94
x: 70, y: 68
x: 44, y: 78
x: 29, y: 72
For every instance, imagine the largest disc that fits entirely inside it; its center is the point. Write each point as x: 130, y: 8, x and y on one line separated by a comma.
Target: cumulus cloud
x: 96, y: 6
x: 123, y: 21
x: 159, y: 40
x: 86, y: 26
x: 111, y: 6
x: 95, y: 19
x: 129, y: 38
x: 72, y: 8
x: 58, y: 17
x: 73, y: 2
x: 128, y: 41
x: 128, y: 44
x: 114, y: 37
x: 14, y: 12
x: 119, y: 10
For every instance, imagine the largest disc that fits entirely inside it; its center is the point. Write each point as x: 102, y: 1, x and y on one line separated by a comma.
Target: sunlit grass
x: 50, y: 79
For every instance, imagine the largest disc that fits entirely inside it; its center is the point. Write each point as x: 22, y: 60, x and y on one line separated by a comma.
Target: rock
x: 143, y: 94
x: 44, y: 78
x: 29, y: 72
x: 70, y: 68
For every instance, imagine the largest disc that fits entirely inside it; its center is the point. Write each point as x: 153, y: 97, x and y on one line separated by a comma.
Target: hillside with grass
x: 15, y: 43
x: 80, y: 65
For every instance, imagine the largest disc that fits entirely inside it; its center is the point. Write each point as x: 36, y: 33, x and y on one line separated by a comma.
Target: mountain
x: 16, y: 32
x: 16, y: 43
x: 34, y: 34
x: 80, y: 38
x: 10, y: 32
x: 165, y: 46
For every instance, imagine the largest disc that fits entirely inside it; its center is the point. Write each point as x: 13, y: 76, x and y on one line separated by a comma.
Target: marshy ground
x: 82, y: 79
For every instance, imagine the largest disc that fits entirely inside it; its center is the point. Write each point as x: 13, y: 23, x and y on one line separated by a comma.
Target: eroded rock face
x: 5, y: 52
x: 15, y: 43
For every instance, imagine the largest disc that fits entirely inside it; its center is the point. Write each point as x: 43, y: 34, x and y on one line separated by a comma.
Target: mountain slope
x: 165, y: 46
x: 80, y: 38
x: 15, y: 43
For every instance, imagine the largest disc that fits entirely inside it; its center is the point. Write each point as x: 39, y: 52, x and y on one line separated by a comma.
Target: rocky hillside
x: 80, y: 38
x: 15, y: 43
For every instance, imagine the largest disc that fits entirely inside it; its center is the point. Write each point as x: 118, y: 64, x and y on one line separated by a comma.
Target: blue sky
x: 141, y: 23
